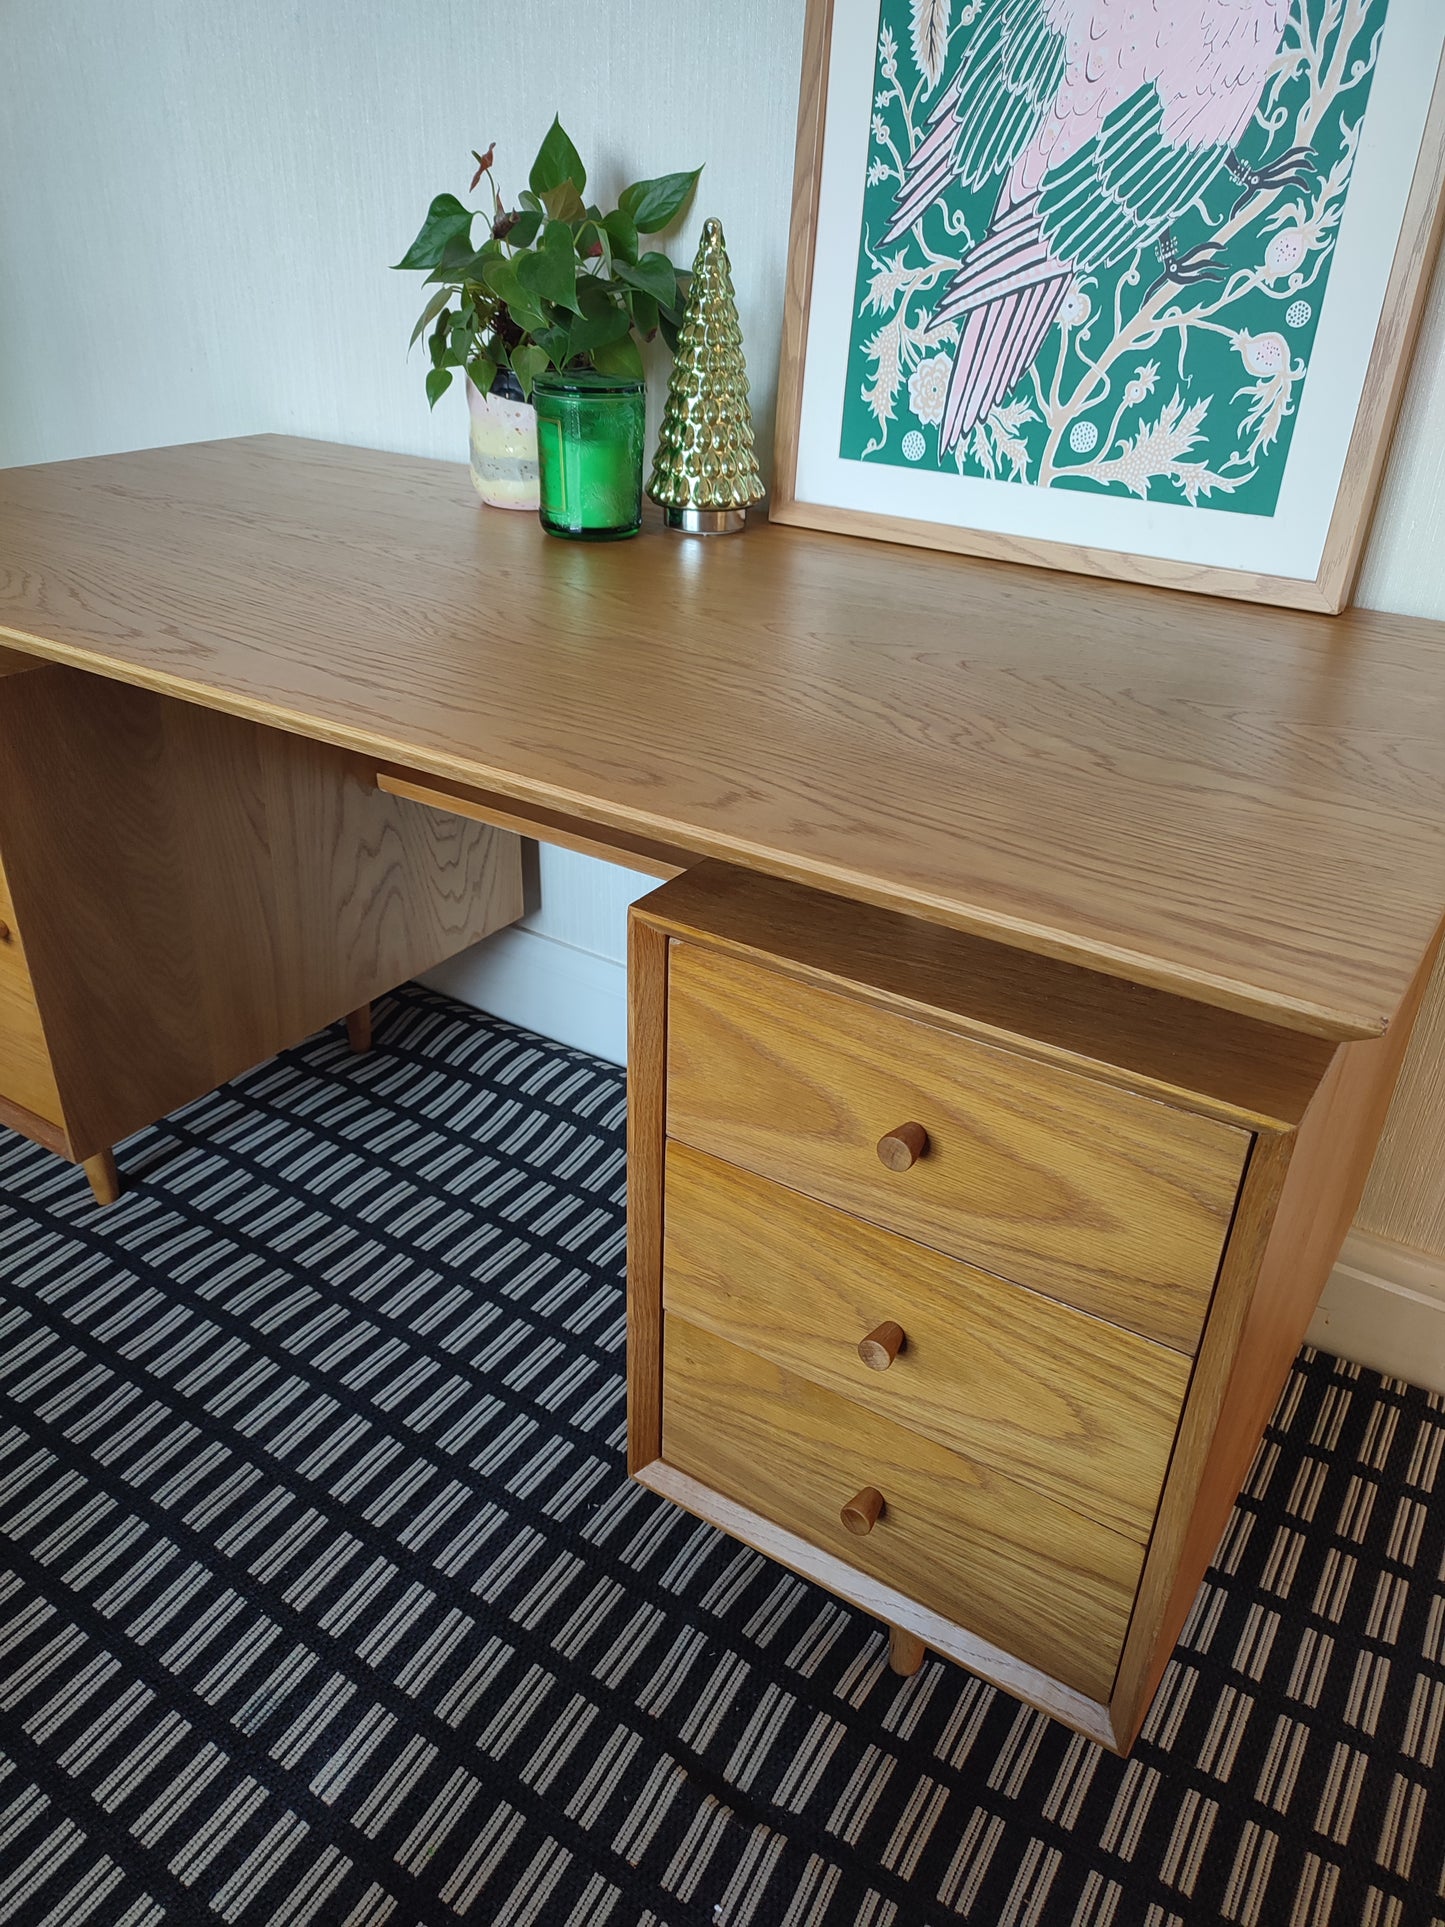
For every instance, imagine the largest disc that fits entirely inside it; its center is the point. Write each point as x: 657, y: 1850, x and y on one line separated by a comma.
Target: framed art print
x: 1121, y: 286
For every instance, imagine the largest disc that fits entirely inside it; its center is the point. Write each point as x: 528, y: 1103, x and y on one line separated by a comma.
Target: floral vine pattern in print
x: 1069, y: 280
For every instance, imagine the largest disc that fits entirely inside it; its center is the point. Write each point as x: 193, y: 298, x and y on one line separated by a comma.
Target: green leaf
x: 564, y: 203
x: 524, y: 230
x: 438, y: 340
x: 551, y: 271
x: 644, y: 311
x: 655, y: 275
x: 529, y: 201
x: 429, y: 314
x: 446, y: 219
x: 621, y: 357
x: 623, y: 230
x: 557, y: 161
x: 652, y: 204
x: 555, y: 345
x: 503, y: 279
x: 594, y: 243
x: 528, y: 362
x: 483, y: 371
x: 592, y: 331
x: 437, y: 383
x: 669, y: 327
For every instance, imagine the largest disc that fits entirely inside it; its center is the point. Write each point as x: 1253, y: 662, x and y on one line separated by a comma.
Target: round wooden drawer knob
x: 862, y: 1511
x: 4, y: 931
x: 879, y: 1349
x: 902, y: 1149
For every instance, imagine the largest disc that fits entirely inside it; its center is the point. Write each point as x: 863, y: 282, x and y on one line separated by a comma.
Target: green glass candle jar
x: 590, y: 431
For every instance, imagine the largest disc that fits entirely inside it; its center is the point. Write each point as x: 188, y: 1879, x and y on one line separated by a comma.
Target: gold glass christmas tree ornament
x: 705, y: 473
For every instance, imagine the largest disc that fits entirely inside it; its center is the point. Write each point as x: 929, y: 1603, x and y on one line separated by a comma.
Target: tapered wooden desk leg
x: 104, y: 1178
x: 906, y: 1651
x: 358, y: 1029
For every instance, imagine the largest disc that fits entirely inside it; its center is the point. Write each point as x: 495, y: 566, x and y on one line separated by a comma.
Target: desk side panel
x: 198, y: 891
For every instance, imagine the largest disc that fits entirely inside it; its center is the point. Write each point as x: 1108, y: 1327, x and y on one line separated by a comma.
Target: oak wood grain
x: 1081, y: 1411
x: 1386, y: 371
x: 549, y: 826
x: 1404, y: 1199
x: 103, y: 1177
x: 40, y: 1130
x: 1033, y: 1684
x: 906, y: 1652
x: 994, y: 1556
x: 1194, y: 1056
x: 1115, y: 1203
x: 1282, y: 1255
x: 196, y: 892
x: 27, y: 1077
x: 647, y: 958
x: 1243, y: 807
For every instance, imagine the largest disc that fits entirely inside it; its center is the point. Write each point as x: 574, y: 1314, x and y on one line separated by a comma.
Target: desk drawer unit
x: 951, y: 1268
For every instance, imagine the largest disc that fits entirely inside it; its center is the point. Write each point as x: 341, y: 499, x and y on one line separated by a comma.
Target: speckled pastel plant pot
x: 504, y: 447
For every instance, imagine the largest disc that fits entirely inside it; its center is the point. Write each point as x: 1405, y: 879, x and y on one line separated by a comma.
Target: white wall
x: 198, y: 199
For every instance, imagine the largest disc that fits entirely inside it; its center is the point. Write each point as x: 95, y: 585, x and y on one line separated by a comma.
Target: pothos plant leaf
x: 622, y: 230
x: 429, y: 314
x: 557, y: 161
x: 644, y: 311
x: 528, y: 362
x: 446, y: 219
x: 564, y: 203
x: 654, y: 274
x: 620, y: 357
x: 556, y: 282
x: 653, y: 204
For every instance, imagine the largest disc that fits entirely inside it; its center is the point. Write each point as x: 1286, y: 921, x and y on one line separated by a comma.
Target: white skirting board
x: 545, y: 985
x: 1384, y: 1307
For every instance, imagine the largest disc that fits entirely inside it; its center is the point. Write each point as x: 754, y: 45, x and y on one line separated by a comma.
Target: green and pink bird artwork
x: 1097, y: 237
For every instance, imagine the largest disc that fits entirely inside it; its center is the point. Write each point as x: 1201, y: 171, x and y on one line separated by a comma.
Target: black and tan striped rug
x: 323, y: 1597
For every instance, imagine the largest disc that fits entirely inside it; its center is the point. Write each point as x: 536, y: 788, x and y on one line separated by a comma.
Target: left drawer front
x: 1114, y: 1203
x: 26, y: 1077
x: 1011, y: 1566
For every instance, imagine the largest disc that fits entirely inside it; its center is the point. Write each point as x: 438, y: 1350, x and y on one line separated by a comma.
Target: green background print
x: 1187, y: 395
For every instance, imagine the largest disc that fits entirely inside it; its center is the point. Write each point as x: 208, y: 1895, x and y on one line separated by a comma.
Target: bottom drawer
x: 1000, y: 1560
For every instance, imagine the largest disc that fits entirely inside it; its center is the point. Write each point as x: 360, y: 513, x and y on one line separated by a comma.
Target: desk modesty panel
x: 1242, y: 805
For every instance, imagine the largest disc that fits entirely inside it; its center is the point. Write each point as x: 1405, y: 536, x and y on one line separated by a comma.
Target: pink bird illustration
x: 1103, y: 121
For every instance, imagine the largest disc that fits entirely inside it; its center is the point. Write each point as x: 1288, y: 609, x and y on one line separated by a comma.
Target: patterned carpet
x: 323, y: 1597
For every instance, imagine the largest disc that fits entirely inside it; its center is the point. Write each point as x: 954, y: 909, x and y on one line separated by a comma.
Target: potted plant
x: 557, y: 284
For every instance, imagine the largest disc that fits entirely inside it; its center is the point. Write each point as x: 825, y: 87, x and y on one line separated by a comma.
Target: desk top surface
x: 1241, y: 805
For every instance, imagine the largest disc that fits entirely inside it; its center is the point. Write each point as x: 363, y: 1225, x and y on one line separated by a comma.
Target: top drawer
x: 1112, y: 1202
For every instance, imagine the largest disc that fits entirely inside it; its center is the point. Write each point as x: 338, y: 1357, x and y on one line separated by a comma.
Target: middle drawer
x: 1080, y: 1410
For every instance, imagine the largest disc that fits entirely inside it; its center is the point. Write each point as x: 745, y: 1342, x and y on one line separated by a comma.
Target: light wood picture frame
x: 1319, y: 445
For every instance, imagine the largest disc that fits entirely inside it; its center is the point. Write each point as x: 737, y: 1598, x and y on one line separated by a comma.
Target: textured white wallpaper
x: 198, y: 200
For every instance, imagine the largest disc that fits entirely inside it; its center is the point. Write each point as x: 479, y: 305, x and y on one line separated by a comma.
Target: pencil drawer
x: 1078, y: 1410
x: 993, y: 1555
x: 1115, y: 1203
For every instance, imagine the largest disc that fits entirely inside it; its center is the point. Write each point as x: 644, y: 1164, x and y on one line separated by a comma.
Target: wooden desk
x: 1178, y: 852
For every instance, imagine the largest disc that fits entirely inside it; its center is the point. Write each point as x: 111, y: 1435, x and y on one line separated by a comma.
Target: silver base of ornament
x: 690, y: 521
